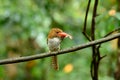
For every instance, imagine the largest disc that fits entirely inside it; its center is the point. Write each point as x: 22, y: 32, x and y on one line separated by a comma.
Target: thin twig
x: 108, y: 35
x: 112, y: 32
x: 44, y: 55
x: 86, y: 35
x: 85, y: 21
x: 103, y: 57
x: 86, y: 15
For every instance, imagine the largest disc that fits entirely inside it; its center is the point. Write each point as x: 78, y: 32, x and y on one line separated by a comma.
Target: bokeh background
x: 24, y: 26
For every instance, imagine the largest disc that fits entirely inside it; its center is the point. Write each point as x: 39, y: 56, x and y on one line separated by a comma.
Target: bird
x: 54, y: 39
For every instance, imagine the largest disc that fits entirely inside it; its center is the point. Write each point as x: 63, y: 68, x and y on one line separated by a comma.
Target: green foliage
x: 24, y: 26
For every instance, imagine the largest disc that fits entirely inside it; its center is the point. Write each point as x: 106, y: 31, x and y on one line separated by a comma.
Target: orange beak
x: 63, y: 35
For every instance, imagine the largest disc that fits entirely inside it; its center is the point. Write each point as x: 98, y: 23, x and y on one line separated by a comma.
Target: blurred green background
x: 24, y: 26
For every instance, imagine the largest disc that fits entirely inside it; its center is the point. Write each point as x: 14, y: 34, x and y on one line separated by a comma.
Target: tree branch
x: 43, y: 55
x: 95, y: 53
x: 85, y: 22
x: 112, y: 32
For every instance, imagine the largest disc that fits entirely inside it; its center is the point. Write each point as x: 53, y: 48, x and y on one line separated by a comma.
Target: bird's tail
x: 55, y: 63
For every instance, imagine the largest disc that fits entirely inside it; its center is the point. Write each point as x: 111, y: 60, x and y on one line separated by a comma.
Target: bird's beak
x: 63, y: 35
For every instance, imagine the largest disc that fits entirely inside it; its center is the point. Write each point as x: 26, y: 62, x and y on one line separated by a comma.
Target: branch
x: 94, y: 67
x: 43, y: 55
x: 85, y: 21
x: 112, y: 32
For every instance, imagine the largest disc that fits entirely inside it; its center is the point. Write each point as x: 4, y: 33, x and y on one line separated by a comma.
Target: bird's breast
x: 54, y: 44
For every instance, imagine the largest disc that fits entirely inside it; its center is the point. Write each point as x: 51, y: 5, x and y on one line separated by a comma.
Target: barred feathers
x: 55, y: 64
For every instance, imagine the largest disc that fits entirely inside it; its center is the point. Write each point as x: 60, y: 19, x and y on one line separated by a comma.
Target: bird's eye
x: 57, y: 32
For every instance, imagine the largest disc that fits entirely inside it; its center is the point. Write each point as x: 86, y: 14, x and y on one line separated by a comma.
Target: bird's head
x: 56, y: 32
